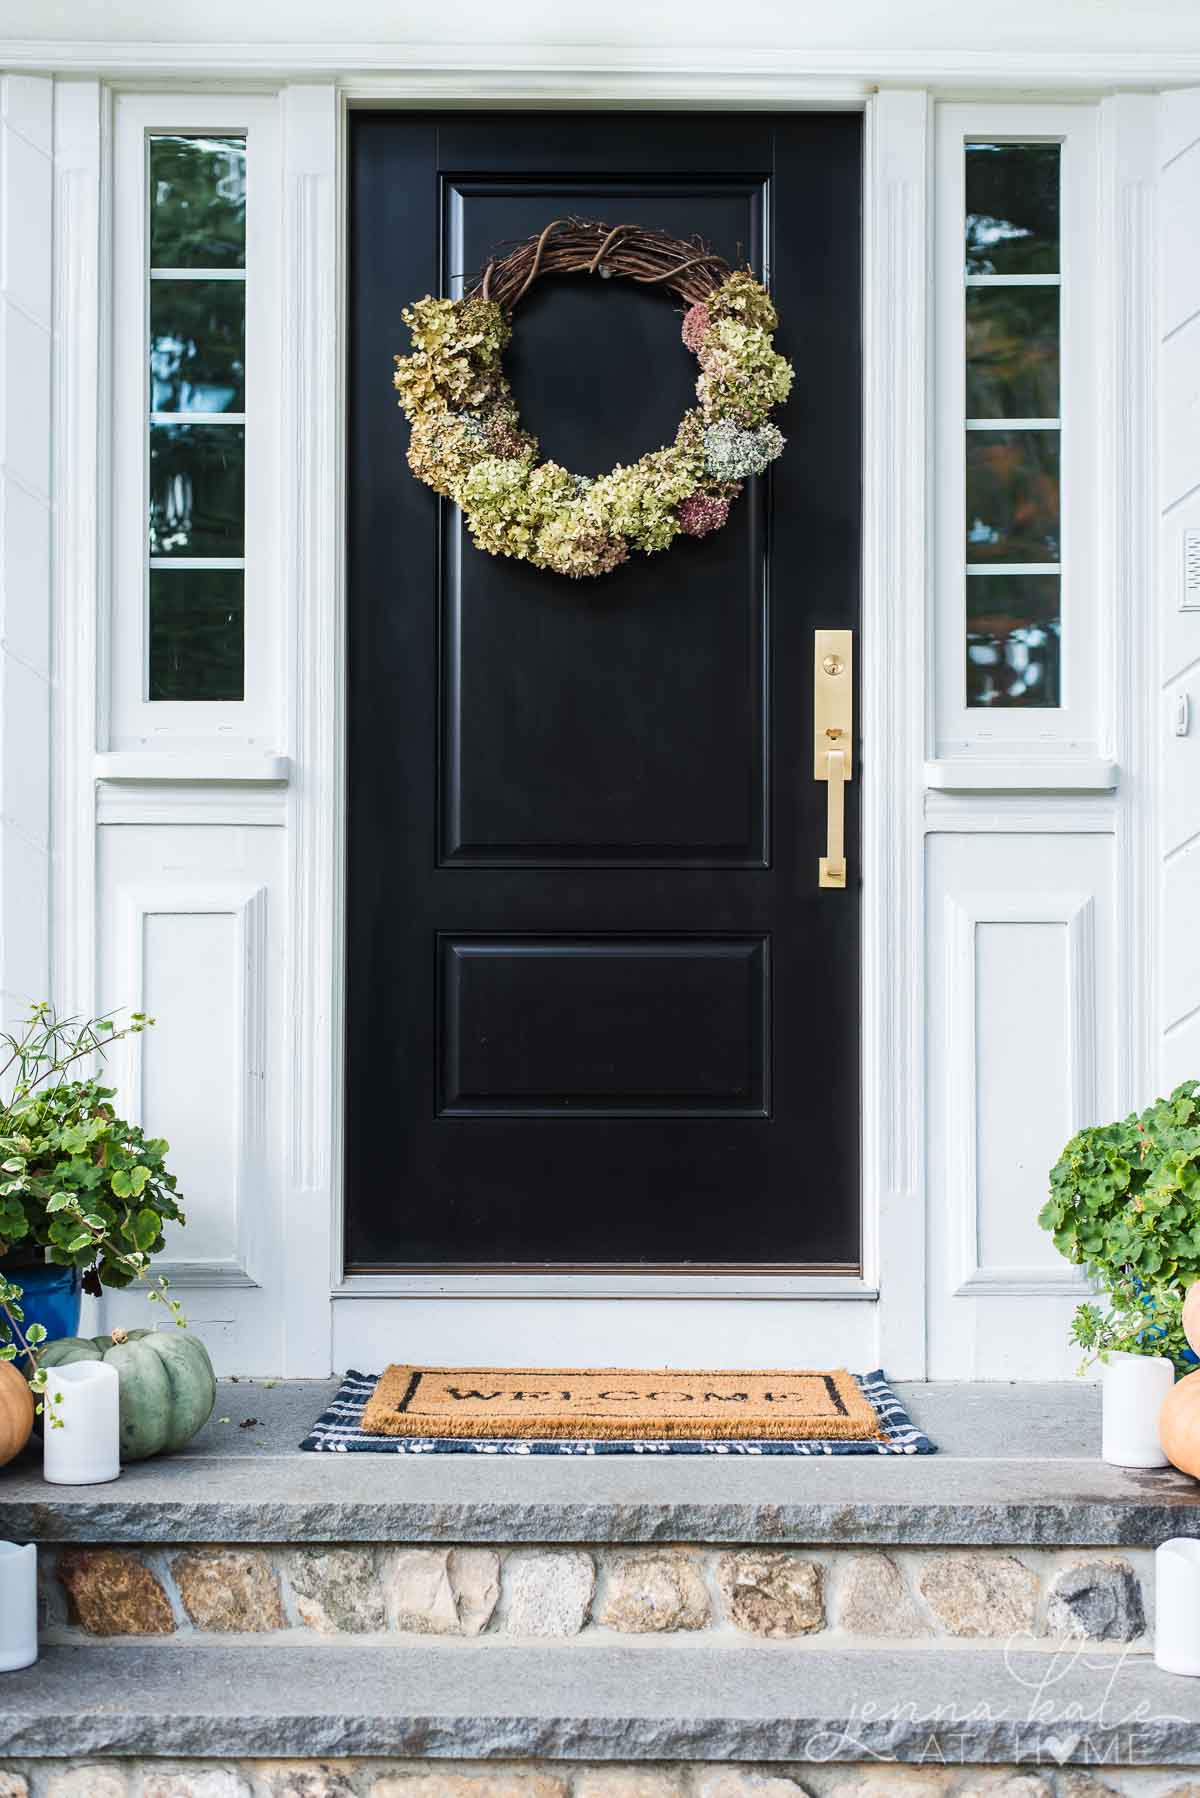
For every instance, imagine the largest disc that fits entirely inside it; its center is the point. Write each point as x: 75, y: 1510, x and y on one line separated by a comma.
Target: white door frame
x: 896, y: 713
x: 893, y: 717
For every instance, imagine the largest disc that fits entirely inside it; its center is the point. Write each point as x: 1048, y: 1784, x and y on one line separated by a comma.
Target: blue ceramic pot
x: 52, y: 1297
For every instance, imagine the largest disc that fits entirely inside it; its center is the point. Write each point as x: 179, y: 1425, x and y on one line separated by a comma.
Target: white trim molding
x: 964, y: 913
x: 1022, y: 774
x: 82, y: 386
x: 893, y: 662
x: 191, y: 765
x: 314, y: 534
x: 637, y: 70
x: 1131, y: 626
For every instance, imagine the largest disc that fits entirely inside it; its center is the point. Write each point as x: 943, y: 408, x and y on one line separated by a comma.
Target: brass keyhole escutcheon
x: 833, y: 746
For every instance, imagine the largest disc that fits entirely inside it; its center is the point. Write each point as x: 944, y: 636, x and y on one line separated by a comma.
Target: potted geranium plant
x: 84, y: 1194
x: 1125, y: 1206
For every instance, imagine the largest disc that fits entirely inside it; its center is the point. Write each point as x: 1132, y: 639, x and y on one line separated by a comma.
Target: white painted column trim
x: 893, y: 660
x: 1126, y: 266
x: 82, y: 513
x: 26, y: 500
x: 313, y: 536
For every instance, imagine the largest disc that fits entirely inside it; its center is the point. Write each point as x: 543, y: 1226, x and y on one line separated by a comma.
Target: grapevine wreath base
x: 467, y: 442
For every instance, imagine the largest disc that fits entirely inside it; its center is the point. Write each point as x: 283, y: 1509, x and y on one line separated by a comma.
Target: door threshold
x: 558, y: 1282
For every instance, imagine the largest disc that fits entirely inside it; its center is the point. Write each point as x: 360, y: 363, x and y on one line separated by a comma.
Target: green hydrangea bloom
x: 742, y: 298
x: 743, y: 376
x: 731, y: 454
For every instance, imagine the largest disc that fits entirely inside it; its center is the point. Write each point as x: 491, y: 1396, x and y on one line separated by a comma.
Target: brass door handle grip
x: 832, y: 865
x: 833, y: 740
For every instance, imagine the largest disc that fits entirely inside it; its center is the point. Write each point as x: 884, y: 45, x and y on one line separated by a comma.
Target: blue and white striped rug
x: 339, y: 1431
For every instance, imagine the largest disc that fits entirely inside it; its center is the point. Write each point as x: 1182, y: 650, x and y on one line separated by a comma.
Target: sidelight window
x: 197, y: 417
x: 1013, y: 426
x: 1015, y: 530
x: 195, y: 487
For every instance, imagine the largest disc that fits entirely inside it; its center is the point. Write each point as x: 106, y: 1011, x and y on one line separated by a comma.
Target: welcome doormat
x: 340, y: 1430
x: 617, y: 1402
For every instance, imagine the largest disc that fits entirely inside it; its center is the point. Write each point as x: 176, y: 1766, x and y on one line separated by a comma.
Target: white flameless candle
x: 86, y: 1451
x: 1177, y: 1606
x: 18, y: 1606
x: 1134, y: 1389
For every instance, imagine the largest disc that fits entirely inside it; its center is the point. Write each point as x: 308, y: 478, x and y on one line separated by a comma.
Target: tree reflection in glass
x: 1014, y: 635
x: 196, y: 633
x: 1012, y: 352
x: 1012, y: 496
x: 197, y: 202
x: 1013, y: 208
x: 197, y: 353
x: 196, y: 490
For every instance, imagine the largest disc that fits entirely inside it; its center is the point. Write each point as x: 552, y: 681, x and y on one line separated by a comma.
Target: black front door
x: 599, y: 1011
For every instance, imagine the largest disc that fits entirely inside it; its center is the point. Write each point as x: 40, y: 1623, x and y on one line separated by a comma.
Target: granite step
x: 1018, y: 1466
x: 635, y: 1701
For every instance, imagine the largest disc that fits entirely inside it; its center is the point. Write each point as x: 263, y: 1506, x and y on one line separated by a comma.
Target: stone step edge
x: 485, y: 1700
x: 840, y: 1501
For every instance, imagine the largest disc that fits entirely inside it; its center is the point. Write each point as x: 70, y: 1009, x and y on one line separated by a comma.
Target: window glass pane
x: 197, y: 339
x: 197, y: 479
x: 1013, y: 640
x: 1012, y: 496
x: 1012, y: 352
x: 197, y: 202
x: 196, y: 633
x: 1012, y: 208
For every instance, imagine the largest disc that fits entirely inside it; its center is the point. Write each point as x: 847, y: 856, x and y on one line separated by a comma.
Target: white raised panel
x: 195, y: 960
x: 188, y: 928
x: 1023, y: 1050
x: 1021, y: 1028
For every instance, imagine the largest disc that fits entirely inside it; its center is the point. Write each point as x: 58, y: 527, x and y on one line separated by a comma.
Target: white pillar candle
x: 1134, y: 1389
x: 86, y: 1451
x: 18, y: 1606
x: 1177, y: 1606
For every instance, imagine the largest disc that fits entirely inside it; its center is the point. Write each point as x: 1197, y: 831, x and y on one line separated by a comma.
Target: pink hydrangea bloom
x: 695, y: 324
x: 702, y: 513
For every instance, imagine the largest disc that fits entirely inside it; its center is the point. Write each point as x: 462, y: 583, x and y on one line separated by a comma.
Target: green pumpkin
x: 168, y: 1387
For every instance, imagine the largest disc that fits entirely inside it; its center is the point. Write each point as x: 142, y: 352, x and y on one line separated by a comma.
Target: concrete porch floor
x: 1018, y: 1465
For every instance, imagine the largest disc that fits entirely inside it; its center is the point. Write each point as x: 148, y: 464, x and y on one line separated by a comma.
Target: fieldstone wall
x: 381, y: 1779
x: 850, y: 1595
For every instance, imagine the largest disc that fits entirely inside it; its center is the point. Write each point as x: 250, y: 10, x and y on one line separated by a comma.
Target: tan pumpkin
x: 1191, y: 1316
x: 1179, y: 1425
x: 16, y: 1412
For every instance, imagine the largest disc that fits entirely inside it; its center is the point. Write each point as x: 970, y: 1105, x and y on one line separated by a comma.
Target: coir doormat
x: 341, y: 1428
x: 617, y: 1402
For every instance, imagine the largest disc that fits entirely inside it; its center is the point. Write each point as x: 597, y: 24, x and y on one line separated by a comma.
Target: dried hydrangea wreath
x: 467, y: 442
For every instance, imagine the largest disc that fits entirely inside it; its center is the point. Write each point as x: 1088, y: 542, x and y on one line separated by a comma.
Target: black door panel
x: 598, y: 1011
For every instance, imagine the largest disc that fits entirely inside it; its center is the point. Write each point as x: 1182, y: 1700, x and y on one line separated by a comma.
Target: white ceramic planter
x: 1177, y: 1606
x: 86, y: 1451
x: 1134, y: 1389
x: 18, y: 1607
